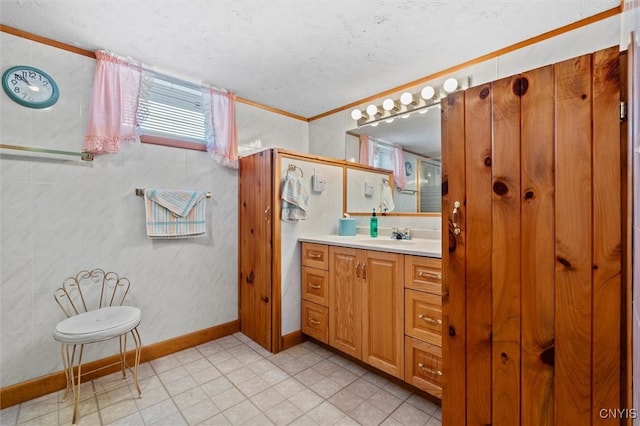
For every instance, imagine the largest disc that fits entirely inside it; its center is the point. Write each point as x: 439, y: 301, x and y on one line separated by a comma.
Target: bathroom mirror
x: 419, y: 135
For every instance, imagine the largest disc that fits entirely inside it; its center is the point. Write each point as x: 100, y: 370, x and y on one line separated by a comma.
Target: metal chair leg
x: 67, y: 374
x: 73, y: 382
x: 136, y: 362
x: 123, y: 351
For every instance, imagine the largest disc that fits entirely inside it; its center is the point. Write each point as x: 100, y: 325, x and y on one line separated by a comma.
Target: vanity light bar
x: 408, y: 102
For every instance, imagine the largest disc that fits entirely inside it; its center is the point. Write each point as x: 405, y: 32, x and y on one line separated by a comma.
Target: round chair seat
x: 97, y: 325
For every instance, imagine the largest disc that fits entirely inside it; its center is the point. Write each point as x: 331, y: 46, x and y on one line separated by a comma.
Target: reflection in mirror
x: 369, y: 189
x: 419, y: 135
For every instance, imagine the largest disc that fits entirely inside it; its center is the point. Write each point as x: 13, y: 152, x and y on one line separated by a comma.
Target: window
x: 171, y: 113
x: 383, y: 155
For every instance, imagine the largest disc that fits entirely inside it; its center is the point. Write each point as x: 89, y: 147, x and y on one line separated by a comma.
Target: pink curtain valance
x: 221, y: 134
x: 114, y: 104
x: 399, y: 173
x: 365, y: 156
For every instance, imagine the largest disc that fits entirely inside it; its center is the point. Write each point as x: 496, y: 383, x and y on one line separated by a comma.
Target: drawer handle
x: 358, y: 271
x: 430, y: 275
x: 314, y: 322
x: 429, y: 371
x: 315, y: 255
x: 364, y: 272
x: 315, y: 287
x: 431, y: 320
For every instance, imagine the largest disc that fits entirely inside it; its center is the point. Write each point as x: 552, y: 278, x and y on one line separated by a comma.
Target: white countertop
x: 416, y: 246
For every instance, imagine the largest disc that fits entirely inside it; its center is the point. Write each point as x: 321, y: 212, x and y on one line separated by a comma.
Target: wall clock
x: 30, y: 87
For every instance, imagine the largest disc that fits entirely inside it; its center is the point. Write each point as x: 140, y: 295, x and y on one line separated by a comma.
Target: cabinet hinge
x: 623, y: 111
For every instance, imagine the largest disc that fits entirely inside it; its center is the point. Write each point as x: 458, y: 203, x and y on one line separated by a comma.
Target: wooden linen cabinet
x: 532, y: 247
x: 366, y: 306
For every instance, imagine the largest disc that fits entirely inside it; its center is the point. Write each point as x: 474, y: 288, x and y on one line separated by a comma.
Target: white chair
x: 92, y: 301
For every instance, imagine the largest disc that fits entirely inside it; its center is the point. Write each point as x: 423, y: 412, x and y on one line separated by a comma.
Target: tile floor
x: 233, y: 381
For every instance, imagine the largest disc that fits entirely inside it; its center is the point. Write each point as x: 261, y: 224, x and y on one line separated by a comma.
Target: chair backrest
x: 90, y: 290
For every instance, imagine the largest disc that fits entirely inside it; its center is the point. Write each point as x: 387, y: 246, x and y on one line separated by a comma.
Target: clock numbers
x: 30, y: 87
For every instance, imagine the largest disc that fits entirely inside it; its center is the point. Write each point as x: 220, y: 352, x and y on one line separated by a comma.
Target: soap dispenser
x: 373, y: 225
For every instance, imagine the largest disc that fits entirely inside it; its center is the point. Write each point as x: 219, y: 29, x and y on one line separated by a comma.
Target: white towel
x: 386, y: 198
x: 295, y: 200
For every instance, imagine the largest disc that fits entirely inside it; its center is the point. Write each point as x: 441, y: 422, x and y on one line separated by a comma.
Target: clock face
x: 30, y: 87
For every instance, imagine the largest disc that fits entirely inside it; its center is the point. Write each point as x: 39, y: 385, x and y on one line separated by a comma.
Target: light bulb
x: 450, y: 85
x: 388, y: 104
x: 406, y: 98
x: 389, y: 120
x: 356, y: 114
x: 372, y: 110
x: 427, y: 93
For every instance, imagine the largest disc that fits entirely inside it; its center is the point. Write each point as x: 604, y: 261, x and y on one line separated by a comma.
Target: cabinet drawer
x: 315, y: 285
x: 423, y: 273
x: 423, y: 366
x: 315, y: 321
x: 315, y: 255
x: 423, y: 316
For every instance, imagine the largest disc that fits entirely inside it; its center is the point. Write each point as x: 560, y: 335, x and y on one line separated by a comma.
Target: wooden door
x: 345, y: 297
x: 532, y: 261
x: 383, y: 311
x: 255, y: 275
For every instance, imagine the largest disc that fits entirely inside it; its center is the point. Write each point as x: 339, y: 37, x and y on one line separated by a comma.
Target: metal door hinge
x: 623, y: 111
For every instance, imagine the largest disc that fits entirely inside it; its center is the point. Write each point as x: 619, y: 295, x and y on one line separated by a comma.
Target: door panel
x: 256, y: 194
x: 382, y: 311
x: 345, y: 296
x: 551, y: 314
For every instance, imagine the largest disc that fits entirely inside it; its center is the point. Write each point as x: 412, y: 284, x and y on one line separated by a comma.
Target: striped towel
x: 295, y: 200
x: 175, y: 213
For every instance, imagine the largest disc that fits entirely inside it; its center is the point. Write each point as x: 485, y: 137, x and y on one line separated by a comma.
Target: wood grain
x: 383, y: 311
x: 453, y: 262
x: 255, y: 280
x: 607, y: 260
x: 537, y: 248
x: 478, y: 160
x: 505, y: 265
x: 573, y: 251
x: 345, y: 298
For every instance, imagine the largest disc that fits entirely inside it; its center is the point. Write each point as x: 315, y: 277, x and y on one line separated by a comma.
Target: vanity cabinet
x: 366, y: 306
x: 423, y: 323
x: 382, y: 308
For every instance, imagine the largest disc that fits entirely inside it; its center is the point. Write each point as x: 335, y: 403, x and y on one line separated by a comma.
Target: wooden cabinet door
x: 383, y: 311
x: 255, y: 275
x: 345, y: 295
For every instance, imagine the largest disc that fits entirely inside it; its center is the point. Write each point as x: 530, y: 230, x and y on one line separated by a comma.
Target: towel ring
x: 292, y: 167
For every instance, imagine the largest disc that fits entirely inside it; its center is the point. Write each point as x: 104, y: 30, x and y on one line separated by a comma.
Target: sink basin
x: 390, y: 242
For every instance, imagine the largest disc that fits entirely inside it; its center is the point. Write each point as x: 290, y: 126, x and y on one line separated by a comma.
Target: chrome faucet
x: 400, y: 235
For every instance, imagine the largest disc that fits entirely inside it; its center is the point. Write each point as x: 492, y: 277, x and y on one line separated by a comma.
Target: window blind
x: 173, y: 109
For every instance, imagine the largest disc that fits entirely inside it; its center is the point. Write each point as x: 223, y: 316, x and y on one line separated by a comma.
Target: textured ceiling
x: 303, y: 57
